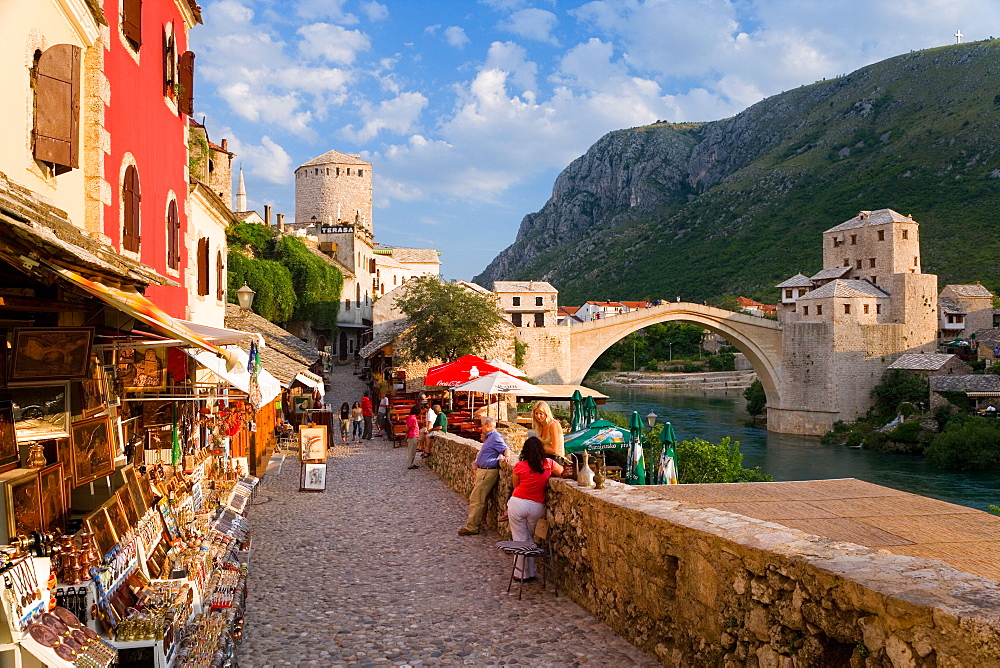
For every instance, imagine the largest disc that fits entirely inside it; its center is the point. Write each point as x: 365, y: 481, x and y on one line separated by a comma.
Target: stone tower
x: 335, y: 187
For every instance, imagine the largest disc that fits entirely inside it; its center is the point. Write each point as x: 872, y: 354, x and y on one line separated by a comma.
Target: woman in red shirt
x: 527, y: 504
x: 412, y: 436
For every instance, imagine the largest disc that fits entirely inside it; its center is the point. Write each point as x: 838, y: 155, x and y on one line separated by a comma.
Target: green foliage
x: 662, y: 341
x: 520, y: 349
x: 730, y: 303
x: 699, y: 461
x: 317, y: 284
x: 906, y: 432
x: 256, y: 239
x: 967, y: 443
x: 756, y: 399
x: 447, y: 320
x: 722, y: 362
x: 275, y: 298
x: 994, y: 509
x: 897, y: 387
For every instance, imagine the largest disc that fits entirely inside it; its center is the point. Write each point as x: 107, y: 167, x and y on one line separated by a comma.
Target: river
x: 713, y: 415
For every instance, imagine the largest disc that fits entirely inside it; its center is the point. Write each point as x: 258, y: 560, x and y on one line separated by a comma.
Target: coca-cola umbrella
x: 465, y: 368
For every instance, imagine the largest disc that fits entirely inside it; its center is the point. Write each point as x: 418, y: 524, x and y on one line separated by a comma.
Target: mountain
x: 736, y: 206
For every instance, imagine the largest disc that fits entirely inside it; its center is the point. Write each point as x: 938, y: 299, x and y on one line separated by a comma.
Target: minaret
x: 241, y: 193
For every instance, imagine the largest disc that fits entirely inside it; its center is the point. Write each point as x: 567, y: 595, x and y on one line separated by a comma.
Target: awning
x: 309, y: 379
x: 136, y: 305
x: 222, y: 336
x: 239, y: 377
x: 565, y: 393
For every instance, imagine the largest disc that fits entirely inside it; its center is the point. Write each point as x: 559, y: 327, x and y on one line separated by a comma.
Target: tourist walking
x: 357, y: 422
x: 487, y: 473
x: 548, y: 429
x: 366, y: 413
x: 527, y: 502
x: 412, y: 436
x: 345, y: 421
x: 430, y: 417
x: 383, y: 417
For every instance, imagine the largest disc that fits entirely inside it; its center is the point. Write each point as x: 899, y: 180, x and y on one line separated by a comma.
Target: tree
x: 967, y: 444
x: 699, y: 461
x: 448, y: 320
x: 756, y: 399
x: 898, y: 386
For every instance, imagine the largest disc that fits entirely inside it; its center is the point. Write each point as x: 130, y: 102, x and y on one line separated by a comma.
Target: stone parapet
x: 703, y: 587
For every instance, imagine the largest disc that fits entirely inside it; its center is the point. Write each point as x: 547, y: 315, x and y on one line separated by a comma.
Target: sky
x: 469, y: 109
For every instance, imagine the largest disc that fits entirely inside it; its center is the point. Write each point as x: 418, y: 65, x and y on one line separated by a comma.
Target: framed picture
x: 146, y: 491
x: 51, y: 354
x: 301, y: 403
x: 313, y: 477
x: 312, y: 442
x: 141, y: 370
x: 8, y: 435
x: 93, y: 457
x: 64, y: 455
x: 24, y: 509
x: 53, y: 498
x: 111, y: 385
x: 134, y: 493
x: 125, y: 501
x: 93, y: 390
x: 169, y: 521
x: 119, y: 522
x: 41, y: 413
x: 98, y: 524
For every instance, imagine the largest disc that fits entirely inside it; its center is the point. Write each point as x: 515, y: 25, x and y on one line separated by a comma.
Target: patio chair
x: 539, y: 549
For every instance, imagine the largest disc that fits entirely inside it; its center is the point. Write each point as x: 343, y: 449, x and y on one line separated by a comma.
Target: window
x: 348, y: 171
x: 871, y: 263
x: 854, y: 240
x: 347, y: 304
x: 878, y: 309
x: 788, y: 294
x: 203, y: 266
x: 56, y: 132
x: 338, y: 171
x: 131, y: 21
x: 859, y: 264
x: 805, y: 310
x: 881, y: 235
x: 802, y: 292
x: 131, y: 197
x: 847, y: 262
x: 328, y: 171
x: 516, y: 319
x: 539, y: 301
x: 847, y: 309
x: 382, y: 288
x: 361, y: 172
x: 185, y: 97
x: 916, y: 262
x: 906, y: 234
x: 220, y: 277
x: 866, y: 309
x: 169, y: 61
x: 357, y: 294
x: 515, y: 301
x: 819, y: 309
x: 173, y: 236
x: 539, y: 320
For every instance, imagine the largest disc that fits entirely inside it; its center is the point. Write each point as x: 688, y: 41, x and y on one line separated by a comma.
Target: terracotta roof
x: 984, y: 382
x: 872, y: 218
x: 522, y: 286
x: 421, y: 255
x: 796, y: 281
x: 569, y: 310
x: 970, y: 290
x: 924, y: 362
x: 846, y: 288
x: 335, y: 158
x: 608, y: 304
x: 832, y: 272
x: 275, y: 337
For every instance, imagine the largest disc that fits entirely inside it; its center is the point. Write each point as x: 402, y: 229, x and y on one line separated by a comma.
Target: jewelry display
x: 21, y: 592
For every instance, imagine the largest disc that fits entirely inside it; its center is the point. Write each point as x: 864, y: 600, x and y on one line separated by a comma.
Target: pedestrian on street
x: 430, y: 417
x: 412, y: 436
x: 366, y: 413
x: 383, y: 417
x: 345, y: 421
x: 527, y: 502
x: 487, y: 473
x: 357, y: 422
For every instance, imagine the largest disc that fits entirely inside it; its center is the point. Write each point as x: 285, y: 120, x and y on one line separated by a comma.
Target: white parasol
x: 499, y: 382
x: 507, y: 368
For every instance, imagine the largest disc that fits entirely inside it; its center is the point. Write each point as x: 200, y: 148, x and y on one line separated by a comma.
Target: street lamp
x: 651, y: 419
x: 670, y: 348
x: 633, y: 355
x: 245, y: 297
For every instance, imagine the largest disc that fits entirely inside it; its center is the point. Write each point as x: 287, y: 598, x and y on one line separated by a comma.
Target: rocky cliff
x: 737, y: 205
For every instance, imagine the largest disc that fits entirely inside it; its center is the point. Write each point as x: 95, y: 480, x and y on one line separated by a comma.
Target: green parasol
x: 636, y: 474
x: 601, y: 435
x: 666, y: 471
x: 576, y: 408
x: 589, y: 410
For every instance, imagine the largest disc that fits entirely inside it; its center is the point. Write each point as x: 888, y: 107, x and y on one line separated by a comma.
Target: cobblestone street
x: 373, y: 572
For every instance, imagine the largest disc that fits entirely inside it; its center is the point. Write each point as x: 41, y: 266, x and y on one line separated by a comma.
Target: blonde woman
x: 548, y: 429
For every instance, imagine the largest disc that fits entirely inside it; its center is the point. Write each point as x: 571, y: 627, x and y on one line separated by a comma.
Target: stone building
x: 528, y: 303
x: 965, y: 309
x: 868, y: 304
x: 932, y: 364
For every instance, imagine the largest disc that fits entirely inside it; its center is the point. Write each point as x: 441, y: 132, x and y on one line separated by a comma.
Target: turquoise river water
x: 713, y: 415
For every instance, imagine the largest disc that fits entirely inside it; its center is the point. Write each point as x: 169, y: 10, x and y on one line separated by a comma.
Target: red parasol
x: 462, y: 370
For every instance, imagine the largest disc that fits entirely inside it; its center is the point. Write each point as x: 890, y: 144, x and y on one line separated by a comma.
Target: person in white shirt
x: 382, y: 424
x: 425, y: 432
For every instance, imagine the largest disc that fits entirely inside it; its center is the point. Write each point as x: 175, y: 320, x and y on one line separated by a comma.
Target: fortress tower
x: 335, y: 187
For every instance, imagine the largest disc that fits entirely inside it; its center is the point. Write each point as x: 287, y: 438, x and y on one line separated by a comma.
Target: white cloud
x: 536, y: 24
x: 332, y: 10
x: 455, y: 36
x: 397, y: 115
x: 267, y: 160
x: 332, y: 43
x: 375, y: 11
x: 512, y: 59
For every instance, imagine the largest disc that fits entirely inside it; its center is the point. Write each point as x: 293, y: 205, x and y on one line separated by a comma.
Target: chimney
x: 267, y: 214
x: 281, y: 221
x: 225, y: 144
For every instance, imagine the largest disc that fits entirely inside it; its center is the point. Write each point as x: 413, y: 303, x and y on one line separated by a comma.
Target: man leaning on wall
x: 487, y: 473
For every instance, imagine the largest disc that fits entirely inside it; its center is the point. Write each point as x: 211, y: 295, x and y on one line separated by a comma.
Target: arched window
x: 357, y: 296
x: 173, y: 236
x: 220, y: 277
x: 203, y: 266
x: 131, y: 196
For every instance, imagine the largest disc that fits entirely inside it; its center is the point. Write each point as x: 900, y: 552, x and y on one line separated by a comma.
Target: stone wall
x: 701, y: 587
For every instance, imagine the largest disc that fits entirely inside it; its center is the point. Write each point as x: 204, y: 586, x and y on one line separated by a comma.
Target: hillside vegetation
x: 737, y: 205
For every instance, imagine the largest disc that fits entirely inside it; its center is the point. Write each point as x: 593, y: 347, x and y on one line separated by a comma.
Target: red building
x: 150, y: 73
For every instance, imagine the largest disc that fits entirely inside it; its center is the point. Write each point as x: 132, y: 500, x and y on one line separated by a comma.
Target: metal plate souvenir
x: 43, y: 635
x: 67, y: 617
x: 54, y: 623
